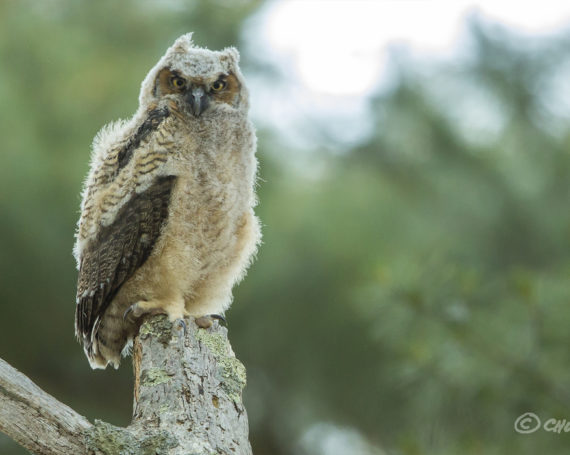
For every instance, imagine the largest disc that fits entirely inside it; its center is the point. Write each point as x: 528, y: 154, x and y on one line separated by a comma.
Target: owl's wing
x: 118, y: 251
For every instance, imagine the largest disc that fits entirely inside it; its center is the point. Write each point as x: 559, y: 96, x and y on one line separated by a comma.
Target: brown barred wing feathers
x: 117, y: 251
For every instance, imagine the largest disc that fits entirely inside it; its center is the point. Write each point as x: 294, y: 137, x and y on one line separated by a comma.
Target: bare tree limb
x: 188, y: 387
x: 35, y: 419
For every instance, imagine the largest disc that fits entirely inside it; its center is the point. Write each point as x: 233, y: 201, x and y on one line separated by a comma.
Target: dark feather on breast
x: 153, y: 121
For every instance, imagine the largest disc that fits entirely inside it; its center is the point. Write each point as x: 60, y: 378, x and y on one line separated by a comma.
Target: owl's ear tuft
x: 183, y: 43
x: 230, y: 54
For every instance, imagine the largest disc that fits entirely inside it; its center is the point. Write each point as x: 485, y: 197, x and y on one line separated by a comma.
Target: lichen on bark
x: 154, y: 376
x: 231, y: 370
x: 106, y: 439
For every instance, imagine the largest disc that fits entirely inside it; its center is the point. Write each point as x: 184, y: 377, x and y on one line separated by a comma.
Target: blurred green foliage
x: 416, y: 289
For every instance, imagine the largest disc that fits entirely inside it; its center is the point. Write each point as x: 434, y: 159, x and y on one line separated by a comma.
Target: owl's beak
x: 198, y: 100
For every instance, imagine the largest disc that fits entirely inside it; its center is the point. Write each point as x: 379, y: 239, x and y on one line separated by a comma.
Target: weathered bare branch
x: 35, y: 419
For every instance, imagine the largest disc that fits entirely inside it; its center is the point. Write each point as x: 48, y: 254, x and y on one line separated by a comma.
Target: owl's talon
x: 127, y: 313
x: 180, y: 324
x: 220, y: 318
x: 133, y: 312
x: 140, y: 309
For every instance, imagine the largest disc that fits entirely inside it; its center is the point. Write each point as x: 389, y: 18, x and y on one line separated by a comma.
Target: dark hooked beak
x: 197, y: 100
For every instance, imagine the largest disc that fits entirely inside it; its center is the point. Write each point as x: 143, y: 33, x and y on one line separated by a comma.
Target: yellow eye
x: 219, y: 85
x: 177, y: 82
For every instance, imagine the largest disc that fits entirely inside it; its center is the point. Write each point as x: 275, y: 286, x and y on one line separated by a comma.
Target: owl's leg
x: 174, y: 309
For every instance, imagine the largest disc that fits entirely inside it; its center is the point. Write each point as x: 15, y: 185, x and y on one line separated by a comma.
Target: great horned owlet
x: 167, y: 222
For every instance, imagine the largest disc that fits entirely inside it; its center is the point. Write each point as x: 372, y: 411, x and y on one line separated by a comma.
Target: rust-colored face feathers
x: 198, y: 80
x: 197, y: 93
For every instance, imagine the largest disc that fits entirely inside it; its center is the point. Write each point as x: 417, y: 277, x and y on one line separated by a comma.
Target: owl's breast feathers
x: 115, y: 250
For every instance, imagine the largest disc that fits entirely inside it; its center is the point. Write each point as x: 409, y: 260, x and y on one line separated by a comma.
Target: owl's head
x: 198, y: 79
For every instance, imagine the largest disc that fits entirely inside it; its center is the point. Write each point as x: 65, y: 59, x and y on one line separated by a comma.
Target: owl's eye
x: 177, y: 82
x: 219, y: 85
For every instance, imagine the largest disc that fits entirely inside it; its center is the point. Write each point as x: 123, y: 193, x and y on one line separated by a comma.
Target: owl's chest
x: 212, y: 192
x: 215, y: 176
x: 204, y: 218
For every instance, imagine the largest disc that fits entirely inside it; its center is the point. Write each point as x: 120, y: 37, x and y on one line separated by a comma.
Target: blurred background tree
x: 411, y: 295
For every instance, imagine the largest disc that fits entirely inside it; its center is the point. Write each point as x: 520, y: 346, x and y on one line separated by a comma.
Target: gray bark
x: 187, y: 401
x: 35, y: 419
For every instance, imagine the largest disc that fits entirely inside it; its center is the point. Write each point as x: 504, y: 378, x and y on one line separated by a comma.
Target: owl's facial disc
x: 196, y: 93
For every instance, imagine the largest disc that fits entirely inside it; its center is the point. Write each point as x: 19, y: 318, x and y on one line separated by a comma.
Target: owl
x: 167, y: 222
